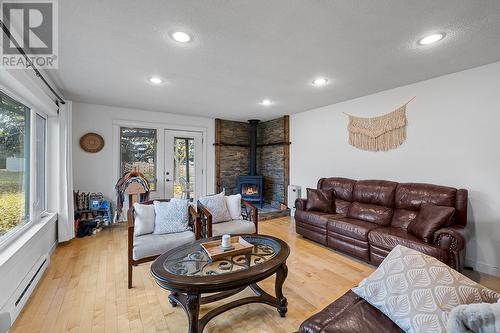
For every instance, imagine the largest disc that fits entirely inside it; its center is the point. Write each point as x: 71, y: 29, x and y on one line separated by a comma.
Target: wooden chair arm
x: 196, y: 221
x: 205, y: 214
x: 254, y: 213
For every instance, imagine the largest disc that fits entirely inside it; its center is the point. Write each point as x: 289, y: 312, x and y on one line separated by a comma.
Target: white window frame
x: 17, y: 231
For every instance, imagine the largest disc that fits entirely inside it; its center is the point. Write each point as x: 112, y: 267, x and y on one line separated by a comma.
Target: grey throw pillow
x: 171, y: 217
x: 216, y: 205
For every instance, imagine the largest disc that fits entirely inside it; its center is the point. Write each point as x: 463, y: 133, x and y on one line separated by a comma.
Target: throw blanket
x: 477, y: 318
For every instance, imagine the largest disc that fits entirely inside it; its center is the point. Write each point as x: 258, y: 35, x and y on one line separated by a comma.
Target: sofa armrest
x: 300, y: 204
x: 452, y: 239
x: 205, y: 219
x: 254, y: 214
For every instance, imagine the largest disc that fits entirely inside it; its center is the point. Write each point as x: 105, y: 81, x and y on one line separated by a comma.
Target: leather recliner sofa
x: 371, y: 217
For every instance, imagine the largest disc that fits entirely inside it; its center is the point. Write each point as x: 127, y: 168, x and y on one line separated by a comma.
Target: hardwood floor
x: 85, y: 289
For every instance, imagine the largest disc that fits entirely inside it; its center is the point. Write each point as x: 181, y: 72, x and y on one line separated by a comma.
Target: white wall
x: 98, y: 172
x: 453, y: 139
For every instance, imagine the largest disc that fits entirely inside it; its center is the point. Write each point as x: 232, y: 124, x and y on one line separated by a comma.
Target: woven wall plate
x: 92, y: 142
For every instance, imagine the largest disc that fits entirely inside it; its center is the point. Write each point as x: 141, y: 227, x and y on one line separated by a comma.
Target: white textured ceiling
x: 247, y: 50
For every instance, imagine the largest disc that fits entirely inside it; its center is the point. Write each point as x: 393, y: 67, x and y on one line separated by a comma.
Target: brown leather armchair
x: 148, y: 247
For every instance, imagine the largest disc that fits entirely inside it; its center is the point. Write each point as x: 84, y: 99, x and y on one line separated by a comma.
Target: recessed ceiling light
x: 156, y: 80
x: 320, y: 81
x: 431, y: 39
x: 266, y: 102
x: 181, y: 37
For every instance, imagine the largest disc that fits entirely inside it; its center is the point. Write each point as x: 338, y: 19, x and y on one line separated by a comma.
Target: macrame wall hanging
x: 378, y: 133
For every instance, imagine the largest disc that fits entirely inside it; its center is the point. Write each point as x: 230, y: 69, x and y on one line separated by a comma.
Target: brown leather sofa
x: 350, y: 313
x: 371, y: 217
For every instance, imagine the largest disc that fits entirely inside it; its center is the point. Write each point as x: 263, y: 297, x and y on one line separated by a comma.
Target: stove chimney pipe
x: 252, y: 158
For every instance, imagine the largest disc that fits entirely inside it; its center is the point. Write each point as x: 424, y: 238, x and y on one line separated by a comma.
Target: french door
x: 183, y: 174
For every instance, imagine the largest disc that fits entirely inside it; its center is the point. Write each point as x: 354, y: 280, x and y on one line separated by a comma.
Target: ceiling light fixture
x: 320, y: 82
x: 266, y: 102
x: 431, y: 39
x: 181, y: 37
x: 156, y: 80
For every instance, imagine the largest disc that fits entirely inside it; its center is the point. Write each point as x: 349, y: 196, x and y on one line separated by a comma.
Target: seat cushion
x: 351, y: 227
x: 349, y: 313
x: 317, y: 219
x: 389, y: 237
x: 370, y: 213
x: 154, y: 245
x: 233, y: 227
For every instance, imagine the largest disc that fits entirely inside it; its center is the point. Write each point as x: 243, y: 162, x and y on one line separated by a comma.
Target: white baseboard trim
x: 483, y: 267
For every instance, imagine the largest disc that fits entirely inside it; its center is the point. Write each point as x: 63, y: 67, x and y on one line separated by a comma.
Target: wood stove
x: 251, y: 186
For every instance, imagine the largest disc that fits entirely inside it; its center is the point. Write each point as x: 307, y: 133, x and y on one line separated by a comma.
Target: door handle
x: 167, y: 180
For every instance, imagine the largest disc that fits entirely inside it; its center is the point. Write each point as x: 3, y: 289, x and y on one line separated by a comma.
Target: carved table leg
x: 282, y: 303
x: 172, y: 298
x: 193, y: 311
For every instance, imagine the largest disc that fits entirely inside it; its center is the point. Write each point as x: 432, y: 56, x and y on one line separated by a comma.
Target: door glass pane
x: 184, y: 168
x: 14, y: 164
x: 138, y: 151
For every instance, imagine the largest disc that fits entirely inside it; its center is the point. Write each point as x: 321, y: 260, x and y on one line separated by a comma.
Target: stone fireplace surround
x: 232, y: 156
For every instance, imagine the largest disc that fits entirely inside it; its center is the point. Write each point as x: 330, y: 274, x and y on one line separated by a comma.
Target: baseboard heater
x: 20, y: 296
x: 29, y: 283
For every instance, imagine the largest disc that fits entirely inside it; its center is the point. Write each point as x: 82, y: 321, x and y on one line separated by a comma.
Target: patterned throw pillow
x: 417, y: 291
x: 216, y: 205
x: 171, y: 217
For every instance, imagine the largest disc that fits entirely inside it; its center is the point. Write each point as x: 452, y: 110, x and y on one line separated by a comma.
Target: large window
x: 138, y: 152
x: 14, y: 165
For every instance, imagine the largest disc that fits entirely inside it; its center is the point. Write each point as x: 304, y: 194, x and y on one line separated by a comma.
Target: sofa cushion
x: 412, y: 195
x: 216, y: 205
x: 389, y: 237
x: 417, y: 292
x: 154, y: 245
x: 353, y: 228
x: 144, y: 219
x: 318, y: 219
x: 171, y: 216
x: 402, y: 217
x: 349, y: 313
x: 375, y: 192
x: 233, y: 227
x: 233, y: 204
x: 320, y: 200
x: 341, y: 206
x: 342, y: 187
x: 370, y: 213
x: 430, y: 219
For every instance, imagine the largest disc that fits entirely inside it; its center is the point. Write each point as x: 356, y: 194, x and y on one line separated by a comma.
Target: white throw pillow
x: 216, y: 205
x: 233, y: 203
x: 144, y: 222
x: 417, y: 291
x: 171, y: 217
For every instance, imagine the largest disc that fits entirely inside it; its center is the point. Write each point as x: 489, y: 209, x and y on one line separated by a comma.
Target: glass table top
x: 194, y: 261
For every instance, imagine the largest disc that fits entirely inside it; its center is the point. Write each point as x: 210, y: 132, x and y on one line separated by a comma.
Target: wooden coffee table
x: 187, y: 272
